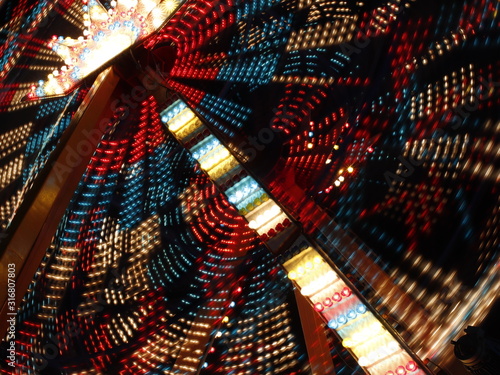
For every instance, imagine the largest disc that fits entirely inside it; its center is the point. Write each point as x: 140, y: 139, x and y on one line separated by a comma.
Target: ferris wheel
x: 247, y: 187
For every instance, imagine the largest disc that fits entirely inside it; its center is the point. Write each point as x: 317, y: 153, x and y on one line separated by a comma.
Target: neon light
x: 107, y: 33
x: 377, y: 351
x: 329, y: 295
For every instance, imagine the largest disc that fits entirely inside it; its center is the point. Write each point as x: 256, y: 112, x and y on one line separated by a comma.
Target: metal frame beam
x: 34, y: 232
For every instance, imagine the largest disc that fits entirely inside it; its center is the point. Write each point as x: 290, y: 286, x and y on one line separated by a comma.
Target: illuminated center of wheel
x: 107, y: 33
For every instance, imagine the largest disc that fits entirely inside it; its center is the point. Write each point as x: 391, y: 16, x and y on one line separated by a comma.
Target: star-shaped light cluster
x: 106, y: 34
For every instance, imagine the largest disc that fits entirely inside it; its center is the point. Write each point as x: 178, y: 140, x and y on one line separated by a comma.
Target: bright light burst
x: 107, y: 33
